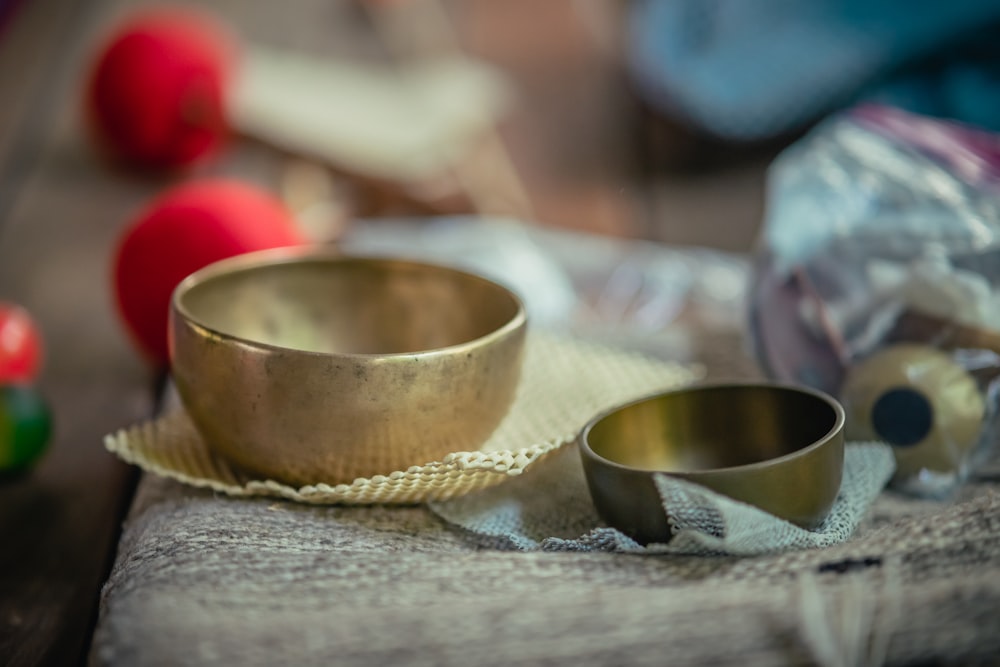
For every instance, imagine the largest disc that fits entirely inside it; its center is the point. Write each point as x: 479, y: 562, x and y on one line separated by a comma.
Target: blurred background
x: 649, y: 119
x: 589, y: 150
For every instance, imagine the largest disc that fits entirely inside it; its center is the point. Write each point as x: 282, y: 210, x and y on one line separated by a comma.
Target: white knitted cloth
x: 550, y: 509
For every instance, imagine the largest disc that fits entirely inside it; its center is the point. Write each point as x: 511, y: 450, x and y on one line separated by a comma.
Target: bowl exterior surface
x: 306, y: 418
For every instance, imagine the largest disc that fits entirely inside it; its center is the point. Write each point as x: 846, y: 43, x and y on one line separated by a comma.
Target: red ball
x: 156, y: 96
x: 20, y: 346
x: 182, y: 231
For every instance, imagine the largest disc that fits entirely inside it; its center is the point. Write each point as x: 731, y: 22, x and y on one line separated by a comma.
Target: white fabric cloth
x: 550, y: 509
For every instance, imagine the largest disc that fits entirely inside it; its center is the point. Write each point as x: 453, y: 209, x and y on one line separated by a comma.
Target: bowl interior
x: 711, y: 428
x: 349, y: 305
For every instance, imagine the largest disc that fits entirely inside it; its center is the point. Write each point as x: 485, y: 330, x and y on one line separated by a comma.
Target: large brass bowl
x: 309, y: 366
x: 778, y: 447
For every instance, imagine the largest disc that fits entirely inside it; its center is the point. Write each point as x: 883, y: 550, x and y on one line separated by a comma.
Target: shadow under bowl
x: 310, y: 366
x: 778, y: 447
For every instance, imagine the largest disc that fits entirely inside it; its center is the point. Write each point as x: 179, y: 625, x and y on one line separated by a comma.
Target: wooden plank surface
x: 61, y: 210
x: 58, y: 524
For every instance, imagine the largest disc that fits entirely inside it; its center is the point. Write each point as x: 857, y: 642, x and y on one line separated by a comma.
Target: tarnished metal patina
x: 308, y: 366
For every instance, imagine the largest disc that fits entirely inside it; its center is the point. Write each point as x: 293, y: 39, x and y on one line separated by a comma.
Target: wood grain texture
x: 60, y: 211
x: 206, y: 580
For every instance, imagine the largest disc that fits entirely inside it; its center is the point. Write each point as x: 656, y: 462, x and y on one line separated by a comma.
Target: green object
x: 25, y: 427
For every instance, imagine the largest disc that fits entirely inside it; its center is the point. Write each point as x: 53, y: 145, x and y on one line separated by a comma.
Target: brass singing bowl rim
x: 834, y: 432
x: 274, y: 257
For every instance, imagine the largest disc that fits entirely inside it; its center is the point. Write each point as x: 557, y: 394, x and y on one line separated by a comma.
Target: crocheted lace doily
x: 564, y: 383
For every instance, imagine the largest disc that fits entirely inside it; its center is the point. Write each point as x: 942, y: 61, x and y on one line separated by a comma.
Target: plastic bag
x: 878, y: 281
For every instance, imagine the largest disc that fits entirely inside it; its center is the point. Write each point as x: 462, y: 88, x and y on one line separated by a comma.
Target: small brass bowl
x: 778, y: 447
x: 307, y: 366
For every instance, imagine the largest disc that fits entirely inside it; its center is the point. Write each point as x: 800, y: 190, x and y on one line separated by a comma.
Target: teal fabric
x: 753, y: 69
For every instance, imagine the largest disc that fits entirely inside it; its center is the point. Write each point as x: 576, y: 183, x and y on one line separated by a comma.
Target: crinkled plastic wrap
x: 623, y: 291
x: 878, y: 281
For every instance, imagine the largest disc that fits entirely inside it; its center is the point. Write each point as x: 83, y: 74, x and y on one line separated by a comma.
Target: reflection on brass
x: 778, y: 447
x: 308, y: 366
